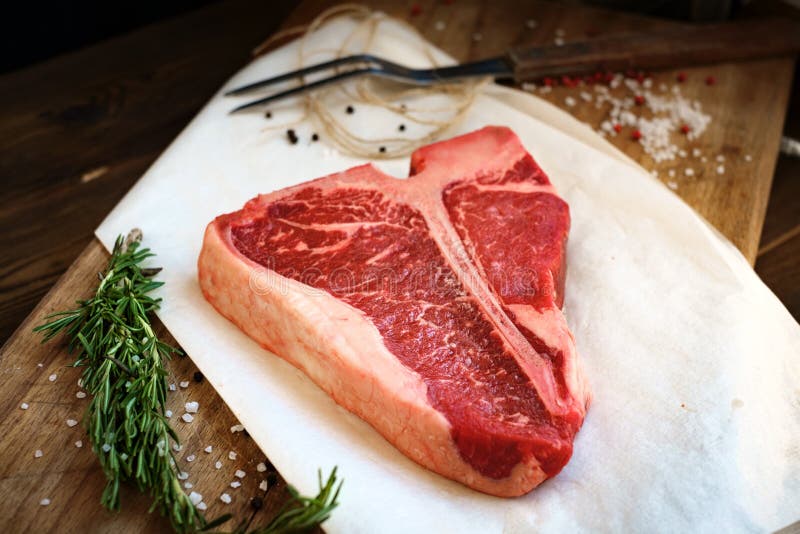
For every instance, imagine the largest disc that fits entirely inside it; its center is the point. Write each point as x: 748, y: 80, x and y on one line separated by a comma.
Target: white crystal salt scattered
x: 720, y: 158
x: 569, y: 101
x: 173, y: 387
x: 39, y: 365
x: 38, y: 453
x: 183, y: 475
x: 231, y: 455
x: 682, y: 153
x: 696, y: 152
x: 195, y: 497
x: 44, y: 502
x: 235, y: 484
x: 218, y: 465
x: 202, y: 506
x: 672, y: 185
x: 261, y: 467
x: 192, y: 407
x: 209, y: 449
x: 237, y: 428
x: 558, y: 41
x: 440, y: 25
x: 187, y: 417
x: 225, y: 498
x: 263, y: 486
x: 24, y: 406
x: 188, y: 485
x: 176, y: 447
x: 184, y: 384
x: 720, y: 169
x: 671, y: 173
x: 240, y: 474
x: 71, y: 422
x: 79, y: 444
x: 688, y: 171
x: 586, y: 96
x: 52, y: 378
x: 106, y: 447
x: 191, y: 458
x: 81, y: 394
x: 168, y: 413
x: 748, y: 157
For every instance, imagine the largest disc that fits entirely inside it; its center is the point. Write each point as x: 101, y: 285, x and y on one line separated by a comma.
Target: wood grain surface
x: 116, y: 106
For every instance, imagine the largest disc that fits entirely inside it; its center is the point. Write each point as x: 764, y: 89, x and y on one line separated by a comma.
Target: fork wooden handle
x: 684, y: 46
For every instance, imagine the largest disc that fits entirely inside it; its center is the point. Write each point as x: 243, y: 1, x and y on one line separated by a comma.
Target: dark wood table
x: 79, y: 130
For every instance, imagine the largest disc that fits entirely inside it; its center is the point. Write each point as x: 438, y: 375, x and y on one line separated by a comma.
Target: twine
x: 374, y: 92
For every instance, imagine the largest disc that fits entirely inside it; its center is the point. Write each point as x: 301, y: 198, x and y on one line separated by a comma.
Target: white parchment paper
x: 694, y: 364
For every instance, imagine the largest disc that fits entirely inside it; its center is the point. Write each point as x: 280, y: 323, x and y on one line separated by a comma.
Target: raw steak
x: 429, y: 306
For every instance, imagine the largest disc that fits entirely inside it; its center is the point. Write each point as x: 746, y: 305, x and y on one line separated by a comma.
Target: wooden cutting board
x: 747, y: 103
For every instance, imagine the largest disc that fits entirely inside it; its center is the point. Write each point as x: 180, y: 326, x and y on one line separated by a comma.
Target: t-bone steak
x: 428, y: 306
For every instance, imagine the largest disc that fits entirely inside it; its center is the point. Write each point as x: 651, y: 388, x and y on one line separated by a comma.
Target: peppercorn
x: 292, y: 136
x: 314, y: 137
x: 272, y: 478
x: 198, y: 376
x: 268, y: 114
x: 350, y: 110
x: 256, y: 503
x: 382, y: 149
x: 402, y: 127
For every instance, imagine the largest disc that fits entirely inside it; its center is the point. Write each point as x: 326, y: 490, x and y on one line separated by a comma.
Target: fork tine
x: 303, y: 88
x: 360, y: 58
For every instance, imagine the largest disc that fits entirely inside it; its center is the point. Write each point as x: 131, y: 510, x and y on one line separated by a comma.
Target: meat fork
x: 680, y: 46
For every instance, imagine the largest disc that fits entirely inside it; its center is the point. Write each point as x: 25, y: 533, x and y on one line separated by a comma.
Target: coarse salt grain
x: 263, y: 486
x: 191, y: 458
x: 176, y: 447
x: 24, y: 406
x: 184, y: 384
x: 671, y: 173
x: 81, y: 394
x: 440, y: 25
x: 261, y: 467
x: 173, y: 387
x: 188, y: 485
x: 696, y: 152
x: 218, y: 464
x: 240, y: 474
x: 672, y: 185
x: 71, y: 422
x: 187, y: 417
x: 688, y: 171
x: 44, y: 502
x: 202, y: 506
x: 39, y: 365
x: 748, y: 157
x: 237, y: 428
x: 79, y: 444
x: 183, y: 475
x: 52, y: 378
x: 569, y: 101
x: 236, y: 484
x: 558, y: 41
x: 38, y: 453
x: 195, y: 497
x: 720, y: 158
x: 225, y: 498
x: 168, y: 413
x: 231, y: 455
x: 209, y: 449
x: 720, y: 169
x: 192, y: 407
x: 106, y: 447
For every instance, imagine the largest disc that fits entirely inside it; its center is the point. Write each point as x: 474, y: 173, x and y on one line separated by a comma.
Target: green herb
x: 123, y: 361
x: 301, y: 514
x: 113, y: 339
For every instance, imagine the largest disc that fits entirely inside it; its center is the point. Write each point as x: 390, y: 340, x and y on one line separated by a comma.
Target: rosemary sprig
x: 301, y: 514
x: 113, y: 339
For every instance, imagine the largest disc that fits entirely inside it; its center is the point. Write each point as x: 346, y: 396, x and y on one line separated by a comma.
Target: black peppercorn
x: 198, y: 376
x: 272, y: 478
x: 382, y: 149
x: 314, y: 137
x: 268, y: 114
x: 292, y: 136
x: 350, y: 110
x: 402, y: 127
x: 256, y: 503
